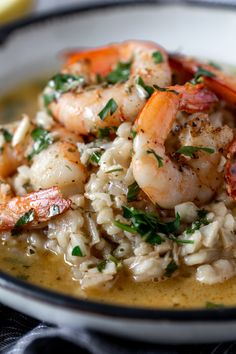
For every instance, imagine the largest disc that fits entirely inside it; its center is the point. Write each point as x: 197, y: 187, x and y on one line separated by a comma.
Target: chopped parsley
x: 158, y: 158
x: 102, y: 265
x: 170, y: 269
x: 212, y: 305
x: 190, y: 150
x: 157, y: 57
x: 6, y: 134
x: 23, y: 220
x: 118, y: 169
x: 133, y: 133
x: 77, y: 252
x: 200, y: 73
x: 133, y: 190
x: 54, y: 210
x: 103, y: 133
x: 120, y: 74
x: 214, y: 65
x: 202, y: 220
x: 164, y: 89
x: 147, y: 225
x: 96, y: 156
x: 59, y: 84
x: 148, y: 89
x: 42, y: 139
x: 109, y: 109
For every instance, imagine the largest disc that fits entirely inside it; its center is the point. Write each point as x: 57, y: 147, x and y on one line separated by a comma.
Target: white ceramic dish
x: 30, y: 48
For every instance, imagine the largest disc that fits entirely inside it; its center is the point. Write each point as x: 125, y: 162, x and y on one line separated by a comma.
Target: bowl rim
x: 85, y: 306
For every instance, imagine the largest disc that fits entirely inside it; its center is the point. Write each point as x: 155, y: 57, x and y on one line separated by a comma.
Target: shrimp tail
x: 41, y: 205
x: 195, y: 98
x: 222, y: 84
x: 230, y: 170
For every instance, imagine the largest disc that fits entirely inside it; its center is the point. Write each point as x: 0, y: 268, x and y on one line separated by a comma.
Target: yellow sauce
x: 50, y: 271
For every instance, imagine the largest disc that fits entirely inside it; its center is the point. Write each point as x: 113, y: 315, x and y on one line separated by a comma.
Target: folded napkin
x: 20, y: 334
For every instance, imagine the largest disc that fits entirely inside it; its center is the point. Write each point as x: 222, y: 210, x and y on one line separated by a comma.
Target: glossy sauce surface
x: 50, y: 271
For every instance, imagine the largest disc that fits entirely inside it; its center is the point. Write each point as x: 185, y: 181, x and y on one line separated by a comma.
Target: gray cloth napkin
x: 20, y: 334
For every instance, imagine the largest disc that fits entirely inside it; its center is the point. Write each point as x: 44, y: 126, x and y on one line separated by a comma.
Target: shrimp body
x: 78, y: 110
x: 59, y: 165
x: 170, y: 179
x: 44, y: 204
x: 216, y: 80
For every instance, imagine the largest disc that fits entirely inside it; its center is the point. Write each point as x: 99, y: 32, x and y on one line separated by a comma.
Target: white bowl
x: 29, y: 48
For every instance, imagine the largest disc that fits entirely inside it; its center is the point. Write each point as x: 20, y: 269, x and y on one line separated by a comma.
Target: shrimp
x: 230, y: 170
x: 222, y: 84
x: 78, y: 109
x: 35, y: 207
x: 170, y: 179
x: 59, y: 165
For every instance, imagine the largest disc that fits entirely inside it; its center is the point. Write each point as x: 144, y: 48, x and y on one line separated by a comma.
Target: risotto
x: 126, y: 172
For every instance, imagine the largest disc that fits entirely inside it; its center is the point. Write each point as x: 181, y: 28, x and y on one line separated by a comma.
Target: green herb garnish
x: 62, y: 83
x: 109, y: 109
x: 190, y: 150
x: 77, y: 252
x: 158, y: 158
x: 164, y: 89
x: 103, y: 133
x: 54, y: 210
x: 96, y: 156
x: 148, y: 89
x: 170, y: 269
x: 115, y: 170
x: 42, y: 139
x: 25, y: 219
x: 133, y: 190
x: 215, y: 65
x: 6, y: 134
x: 147, y: 225
x: 120, y: 74
x: 133, y: 133
x: 157, y: 57
x: 200, y: 73
x: 212, y: 305
x: 101, y: 266
x: 202, y: 221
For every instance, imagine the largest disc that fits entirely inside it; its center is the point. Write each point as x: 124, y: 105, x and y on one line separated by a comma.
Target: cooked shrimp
x: 219, y: 82
x: 59, y: 165
x: 35, y: 207
x: 230, y: 170
x: 78, y: 109
x: 166, y: 181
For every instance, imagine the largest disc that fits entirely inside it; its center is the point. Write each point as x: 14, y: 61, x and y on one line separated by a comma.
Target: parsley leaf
x: 62, y: 83
x: 120, y: 74
x: 109, y: 109
x: 157, y: 57
x: 23, y: 220
x: 103, y: 133
x: 77, y: 252
x: 118, y: 169
x: 200, y: 73
x: 164, y: 89
x: 212, y: 305
x: 133, y: 190
x: 148, y: 89
x: 6, y: 134
x: 158, y: 158
x: 147, y: 225
x: 198, y: 223
x: 170, y: 269
x: 215, y: 65
x: 42, y: 139
x: 190, y: 150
